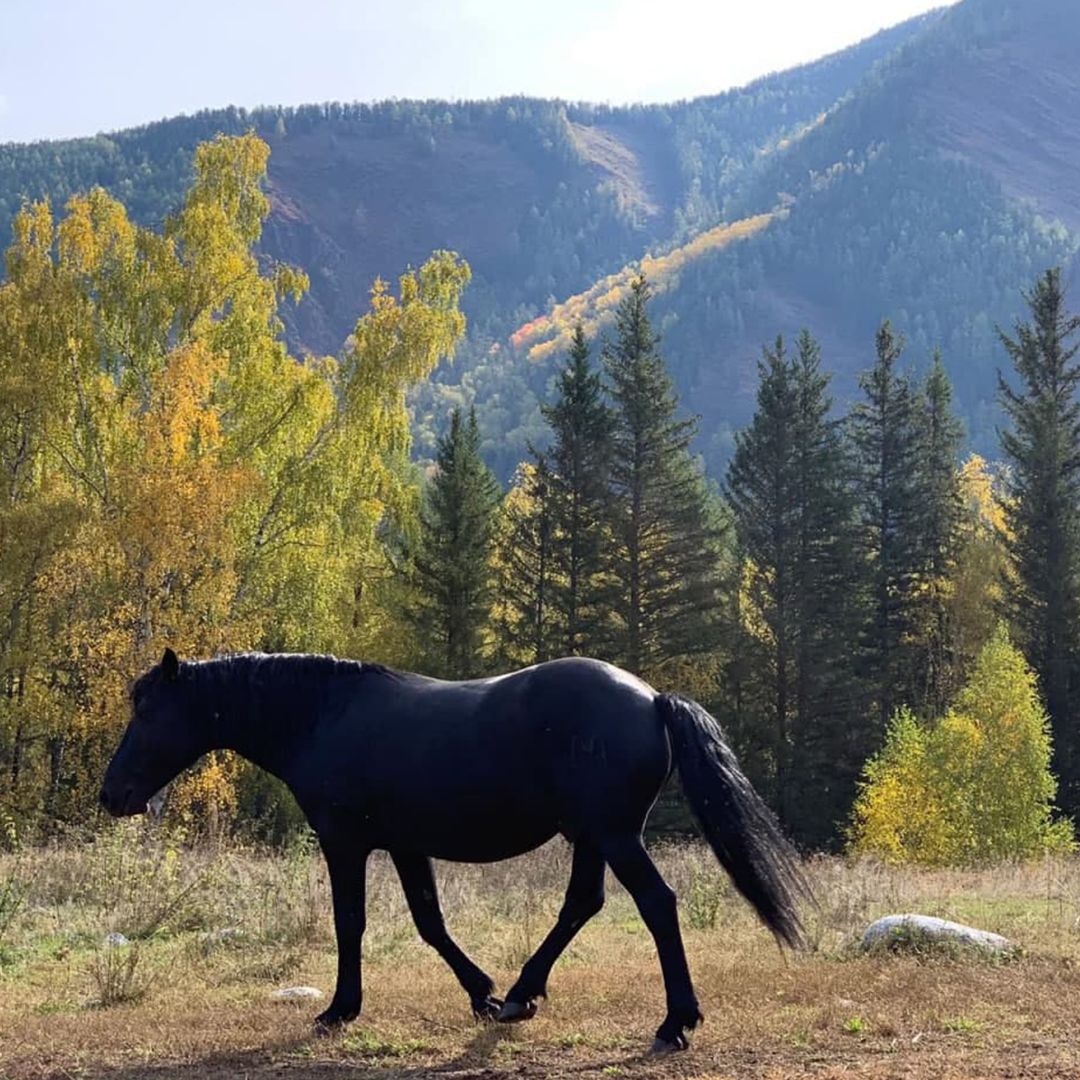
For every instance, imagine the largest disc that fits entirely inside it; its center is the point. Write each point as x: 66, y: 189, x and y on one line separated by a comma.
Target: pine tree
x: 452, y: 566
x: 665, y: 532
x: 1042, y: 512
x: 580, y: 459
x: 787, y: 486
x: 937, y: 675
x: 887, y: 440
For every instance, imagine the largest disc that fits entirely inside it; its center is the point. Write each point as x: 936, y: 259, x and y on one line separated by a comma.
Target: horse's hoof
x: 514, y: 1011
x: 487, y: 1008
x: 662, y: 1046
x: 328, y: 1023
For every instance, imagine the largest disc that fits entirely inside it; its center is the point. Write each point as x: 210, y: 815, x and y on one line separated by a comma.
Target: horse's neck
x: 258, y: 718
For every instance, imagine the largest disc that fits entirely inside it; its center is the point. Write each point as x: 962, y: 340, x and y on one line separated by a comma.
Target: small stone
x: 296, y: 993
x: 226, y: 933
x: 114, y: 940
x: 912, y: 932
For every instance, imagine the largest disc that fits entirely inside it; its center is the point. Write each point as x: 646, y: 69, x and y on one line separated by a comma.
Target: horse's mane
x: 286, y: 669
x: 292, y: 667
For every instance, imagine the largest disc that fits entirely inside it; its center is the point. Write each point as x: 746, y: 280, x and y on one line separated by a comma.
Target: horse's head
x: 163, y: 737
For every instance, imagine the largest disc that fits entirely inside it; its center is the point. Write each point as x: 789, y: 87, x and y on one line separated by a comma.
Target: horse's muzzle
x: 121, y: 806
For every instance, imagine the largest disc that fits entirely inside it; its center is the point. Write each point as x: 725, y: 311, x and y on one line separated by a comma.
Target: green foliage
x: 452, y: 566
x: 528, y: 628
x: 942, y: 511
x: 582, y: 423
x: 973, y: 787
x: 266, y: 811
x: 886, y: 436
x: 707, y: 896
x: 665, y: 532
x: 794, y: 520
x: 1042, y: 511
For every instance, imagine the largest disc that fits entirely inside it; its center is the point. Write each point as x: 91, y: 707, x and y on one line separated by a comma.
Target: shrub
x: 972, y: 787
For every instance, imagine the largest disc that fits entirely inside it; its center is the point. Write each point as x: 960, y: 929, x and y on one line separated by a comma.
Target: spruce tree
x: 665, y: 533
x: 1042, y: 512
x: 453, y: 565
x: 937, y: 676
x: 887, y: 438
x: 761, y: 488
x: 580, y: 459
x: 788, y: 489
x: 530, y: 628
x: 831, y: 739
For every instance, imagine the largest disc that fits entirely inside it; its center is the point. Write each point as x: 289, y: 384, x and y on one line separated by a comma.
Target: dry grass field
x: 185, y: 1001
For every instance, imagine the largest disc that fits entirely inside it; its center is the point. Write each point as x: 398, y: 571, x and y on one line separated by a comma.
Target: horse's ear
x: 170, y: 665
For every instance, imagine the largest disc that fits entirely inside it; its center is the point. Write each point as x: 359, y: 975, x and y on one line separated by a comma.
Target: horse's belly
x: 491, y: 847
x: 481, y: 825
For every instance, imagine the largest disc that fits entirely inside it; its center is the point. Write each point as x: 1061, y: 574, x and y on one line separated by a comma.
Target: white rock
x: 910, y: 931
x: 296, y: 993
x: 114, y: 939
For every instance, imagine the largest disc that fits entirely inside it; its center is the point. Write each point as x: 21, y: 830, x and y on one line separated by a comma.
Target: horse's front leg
x: 347, y: 866
x: 418, y: 882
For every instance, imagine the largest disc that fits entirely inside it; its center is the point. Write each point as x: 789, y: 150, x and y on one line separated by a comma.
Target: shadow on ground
x: 312, y: 1059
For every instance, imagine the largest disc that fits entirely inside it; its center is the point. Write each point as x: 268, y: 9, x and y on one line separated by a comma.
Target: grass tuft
x: 117, y: 975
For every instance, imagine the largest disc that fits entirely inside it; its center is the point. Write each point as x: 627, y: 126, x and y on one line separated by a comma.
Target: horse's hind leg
x: 418, y: 882
x: 584, y: 898
x: 656, y: 902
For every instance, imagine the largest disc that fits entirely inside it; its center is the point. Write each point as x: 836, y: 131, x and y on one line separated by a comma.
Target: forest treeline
x: 849, y: 576
x: 173, y: 476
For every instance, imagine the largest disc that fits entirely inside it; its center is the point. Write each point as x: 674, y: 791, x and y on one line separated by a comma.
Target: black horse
x: 471, y: 772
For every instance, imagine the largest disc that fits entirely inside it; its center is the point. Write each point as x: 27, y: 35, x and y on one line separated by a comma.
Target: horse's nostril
x: 103, y: 798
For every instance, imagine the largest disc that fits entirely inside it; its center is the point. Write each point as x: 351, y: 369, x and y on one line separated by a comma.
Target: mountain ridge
x: 901, y: 195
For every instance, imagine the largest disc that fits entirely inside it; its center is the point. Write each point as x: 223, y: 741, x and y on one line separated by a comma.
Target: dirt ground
x: 201, y: 1007
x: 910, y: 1020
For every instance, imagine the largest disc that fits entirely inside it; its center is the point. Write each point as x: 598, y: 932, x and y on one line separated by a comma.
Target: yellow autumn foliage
x: 973, y: 787
x: 595, y: 308
x: 170, y: 475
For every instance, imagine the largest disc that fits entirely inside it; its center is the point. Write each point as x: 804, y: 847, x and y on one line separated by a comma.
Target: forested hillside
x: 929, y: 196
x: 924, y: 175
x: 543, y: 198
x: 899, y: 209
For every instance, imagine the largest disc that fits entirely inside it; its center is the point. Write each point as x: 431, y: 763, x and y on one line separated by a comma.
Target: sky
x: 77, y: 67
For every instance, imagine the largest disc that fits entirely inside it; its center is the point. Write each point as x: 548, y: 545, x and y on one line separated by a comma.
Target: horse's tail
x: 739, y: 826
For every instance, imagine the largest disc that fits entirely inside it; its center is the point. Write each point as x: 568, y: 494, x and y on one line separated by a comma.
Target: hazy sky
x: 76, y: 67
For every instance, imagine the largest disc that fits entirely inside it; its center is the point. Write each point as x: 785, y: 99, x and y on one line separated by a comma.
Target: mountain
x: 924, y: 174
x: 933, y: 195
